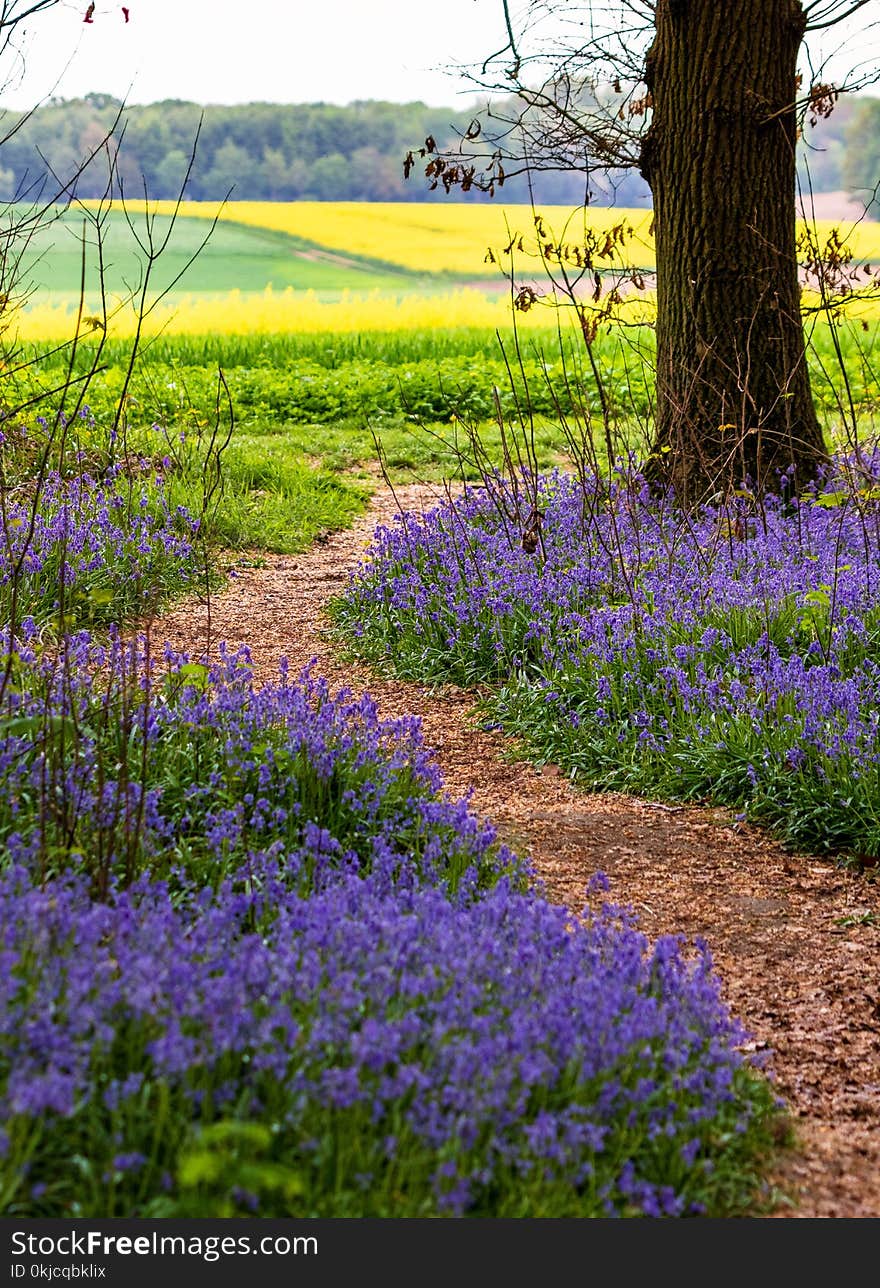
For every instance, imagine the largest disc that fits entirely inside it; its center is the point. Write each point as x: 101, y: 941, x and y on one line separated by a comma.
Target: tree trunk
x: 733, y: 389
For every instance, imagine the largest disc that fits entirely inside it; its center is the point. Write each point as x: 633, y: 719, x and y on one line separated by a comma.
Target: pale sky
x: 235, y: 51
x: 286, y: 51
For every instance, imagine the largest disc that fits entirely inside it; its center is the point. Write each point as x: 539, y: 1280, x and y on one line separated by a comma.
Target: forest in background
x: 323, y: 152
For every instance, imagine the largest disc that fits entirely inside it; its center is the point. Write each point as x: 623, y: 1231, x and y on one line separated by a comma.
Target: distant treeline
x: 274, y: 152
x: 860, y: 163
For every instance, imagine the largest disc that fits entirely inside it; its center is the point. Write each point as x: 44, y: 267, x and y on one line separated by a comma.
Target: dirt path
x: 796, y: 939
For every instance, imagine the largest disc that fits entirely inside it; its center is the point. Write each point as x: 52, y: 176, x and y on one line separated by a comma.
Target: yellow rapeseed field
x: 450, y: 237
x: 453, y: 236
x: 446, y: 237
x: 272, y: 311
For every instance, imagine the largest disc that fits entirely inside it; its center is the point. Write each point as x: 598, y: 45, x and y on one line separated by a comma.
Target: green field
x: 235, y: 257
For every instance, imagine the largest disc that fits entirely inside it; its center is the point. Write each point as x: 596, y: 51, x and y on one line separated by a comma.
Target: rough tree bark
x: 733, y: 389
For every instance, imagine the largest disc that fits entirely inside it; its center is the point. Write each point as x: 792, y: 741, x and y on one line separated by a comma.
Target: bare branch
x: 513, y: 70
x: 825, y: 12
x: 13, y: 12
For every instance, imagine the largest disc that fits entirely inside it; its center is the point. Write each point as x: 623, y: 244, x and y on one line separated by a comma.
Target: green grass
x: 275, y: 499
x: 428, y: 373
x: 307, y: 407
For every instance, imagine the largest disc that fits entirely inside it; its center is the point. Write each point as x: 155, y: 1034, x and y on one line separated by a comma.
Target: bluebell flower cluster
x: 139, y: 762
x: 729, y: 653
x: 336, y: 949
x: 92, y: 550
x: 487, y: 1038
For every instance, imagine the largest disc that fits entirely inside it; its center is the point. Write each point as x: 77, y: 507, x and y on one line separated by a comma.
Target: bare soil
x: 795, y: 938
